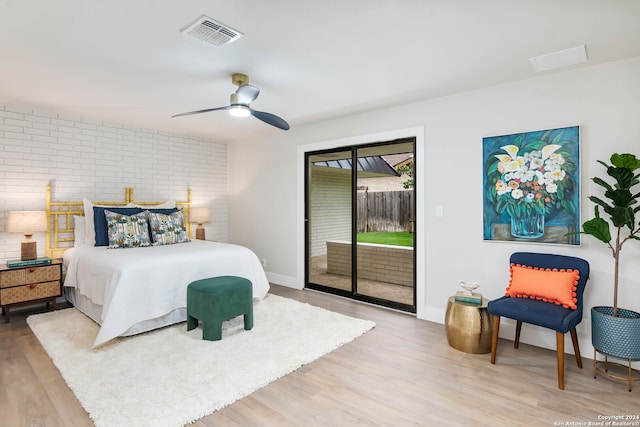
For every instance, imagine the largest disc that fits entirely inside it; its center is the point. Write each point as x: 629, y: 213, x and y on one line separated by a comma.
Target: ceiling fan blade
x: 247, y: 94
x: 270, y: 119
x: 202, y: 111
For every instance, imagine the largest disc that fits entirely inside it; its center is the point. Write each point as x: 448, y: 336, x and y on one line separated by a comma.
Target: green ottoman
x: 217, y: 299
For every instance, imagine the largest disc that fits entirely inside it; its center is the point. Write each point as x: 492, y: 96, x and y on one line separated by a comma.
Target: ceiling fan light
x: 239, y: 111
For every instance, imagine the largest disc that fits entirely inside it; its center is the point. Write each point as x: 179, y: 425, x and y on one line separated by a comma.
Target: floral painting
x: 531, y: 186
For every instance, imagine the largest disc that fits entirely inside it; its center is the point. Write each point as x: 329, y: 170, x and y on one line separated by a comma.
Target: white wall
x: 95, y: 160
x: 265, y: 182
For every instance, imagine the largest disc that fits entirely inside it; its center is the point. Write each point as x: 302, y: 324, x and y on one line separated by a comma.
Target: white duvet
x: 137, y: 284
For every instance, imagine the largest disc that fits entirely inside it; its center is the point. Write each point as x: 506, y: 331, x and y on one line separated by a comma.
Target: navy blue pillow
x: 100, y: 222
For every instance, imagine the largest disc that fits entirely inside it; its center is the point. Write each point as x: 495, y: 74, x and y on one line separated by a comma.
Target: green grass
x: 401, y: 238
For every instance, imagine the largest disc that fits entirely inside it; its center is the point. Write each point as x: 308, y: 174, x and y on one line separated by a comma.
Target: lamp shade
x: 199, y: 215
x: 26, y: 221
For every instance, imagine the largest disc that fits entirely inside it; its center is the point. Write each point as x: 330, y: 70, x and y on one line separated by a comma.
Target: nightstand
x: 30, y: 285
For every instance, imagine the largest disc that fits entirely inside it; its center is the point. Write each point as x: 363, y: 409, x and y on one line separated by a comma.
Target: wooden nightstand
x: 30, y: 285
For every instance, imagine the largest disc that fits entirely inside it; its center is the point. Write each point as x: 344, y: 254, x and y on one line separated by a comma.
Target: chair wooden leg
x: 560, y: 350
x: 576, y: 347
x: 516, y: 343
x: 494, y: 338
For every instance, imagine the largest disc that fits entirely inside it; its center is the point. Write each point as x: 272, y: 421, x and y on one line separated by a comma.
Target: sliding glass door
x: 372, y: 204
x: 329, y: 220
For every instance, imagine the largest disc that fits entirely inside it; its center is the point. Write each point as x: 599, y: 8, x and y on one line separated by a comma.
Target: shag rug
x: 171, y: 377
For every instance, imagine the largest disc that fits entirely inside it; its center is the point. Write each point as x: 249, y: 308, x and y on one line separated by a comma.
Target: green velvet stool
x: 217, y: 299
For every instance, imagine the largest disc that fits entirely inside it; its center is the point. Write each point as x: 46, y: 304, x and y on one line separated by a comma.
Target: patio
x: 388, y: 291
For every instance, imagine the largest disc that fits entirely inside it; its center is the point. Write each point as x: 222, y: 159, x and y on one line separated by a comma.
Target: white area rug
x: 171, y: 377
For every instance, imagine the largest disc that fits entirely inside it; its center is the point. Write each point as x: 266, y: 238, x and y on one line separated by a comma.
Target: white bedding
x: 135, y: 285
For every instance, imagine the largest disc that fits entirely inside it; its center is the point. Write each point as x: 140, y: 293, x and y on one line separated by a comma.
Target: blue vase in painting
x: 527, y: 224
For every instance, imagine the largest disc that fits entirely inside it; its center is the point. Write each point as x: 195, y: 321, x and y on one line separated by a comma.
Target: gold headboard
x: 59, y: 236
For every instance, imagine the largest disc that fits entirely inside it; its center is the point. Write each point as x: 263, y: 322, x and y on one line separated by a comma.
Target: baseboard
x: 288, y: 281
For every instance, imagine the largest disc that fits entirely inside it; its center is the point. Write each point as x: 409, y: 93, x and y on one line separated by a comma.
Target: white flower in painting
x: 512, y: 150
x: 517, y: 193
x: 528, y: 175
x: 535, y: 163
x: 530, y: 197
x: 514, y: 165
x: 558, y: 158
x: 503, y: 158
x: 516, y: 175
x: 551, y: 165
x: 512, y: 162
x: 552, y: 188
x: 555, y: 175
x: 548, y: 150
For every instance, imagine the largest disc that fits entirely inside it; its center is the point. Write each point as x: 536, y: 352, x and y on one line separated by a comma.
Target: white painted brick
x: 8, y: 155
x: 11, y: 115
x: 17, y: 149
x: 4, y: 127
x: 21, y: 123
x: 96, y: 160
x: 45, y: 126
x: 62, y: 123
x: 34, y: 119
x: 16, y: 135
x: 83, y: 125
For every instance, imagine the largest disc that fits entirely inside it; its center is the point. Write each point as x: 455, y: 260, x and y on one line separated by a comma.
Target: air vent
x: 562, y: 58
x: 207, y: 30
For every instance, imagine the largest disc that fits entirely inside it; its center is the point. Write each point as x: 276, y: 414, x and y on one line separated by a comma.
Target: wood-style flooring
x: 402, y: 373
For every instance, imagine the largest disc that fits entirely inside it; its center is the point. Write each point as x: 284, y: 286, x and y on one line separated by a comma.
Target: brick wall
x: 330, y: 202
x: 382, y: 263
x: 89, y: 159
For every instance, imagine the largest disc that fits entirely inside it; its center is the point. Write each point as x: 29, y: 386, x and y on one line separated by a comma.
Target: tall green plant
x: 619, y: 206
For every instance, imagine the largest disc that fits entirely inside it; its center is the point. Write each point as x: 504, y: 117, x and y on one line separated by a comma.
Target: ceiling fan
x: 240, y: 100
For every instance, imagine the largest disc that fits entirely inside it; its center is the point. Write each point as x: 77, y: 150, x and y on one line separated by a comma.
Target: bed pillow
x: 79, y: 231
x: 554, y: 286
x: 90, y: 231
x: 127, y: 231
x: 167, y: 229
x: 100, y: 221
x: 166, y: 211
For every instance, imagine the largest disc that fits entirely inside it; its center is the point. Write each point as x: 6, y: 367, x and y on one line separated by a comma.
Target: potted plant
x: 616, y: 331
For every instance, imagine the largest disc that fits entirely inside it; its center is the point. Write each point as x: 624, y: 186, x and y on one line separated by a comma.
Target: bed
x: 132, y: 289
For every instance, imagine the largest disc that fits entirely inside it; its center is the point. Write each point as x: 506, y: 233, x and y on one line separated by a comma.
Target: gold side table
x: 469, y: 327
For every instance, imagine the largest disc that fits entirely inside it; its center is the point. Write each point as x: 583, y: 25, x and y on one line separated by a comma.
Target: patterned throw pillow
x: 127, y: 231
x: 167, y: 229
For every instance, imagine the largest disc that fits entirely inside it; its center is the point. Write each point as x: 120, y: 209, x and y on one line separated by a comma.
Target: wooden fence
x: 385, y: 211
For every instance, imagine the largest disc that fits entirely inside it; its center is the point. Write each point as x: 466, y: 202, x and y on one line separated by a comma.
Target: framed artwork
x: 531, y: 186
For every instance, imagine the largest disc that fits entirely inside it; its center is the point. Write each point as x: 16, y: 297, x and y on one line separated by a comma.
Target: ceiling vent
x: 207, y: 30
x: 560, y: 59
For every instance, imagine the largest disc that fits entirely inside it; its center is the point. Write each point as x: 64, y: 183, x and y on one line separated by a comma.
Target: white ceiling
x: 125, y: 61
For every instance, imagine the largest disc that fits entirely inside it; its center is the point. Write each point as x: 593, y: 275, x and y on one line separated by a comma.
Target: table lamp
x: 199, y: 216
x: 27, y: 222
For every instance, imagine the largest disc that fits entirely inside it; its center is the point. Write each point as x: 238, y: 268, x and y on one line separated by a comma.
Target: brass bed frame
x: 59, y: 236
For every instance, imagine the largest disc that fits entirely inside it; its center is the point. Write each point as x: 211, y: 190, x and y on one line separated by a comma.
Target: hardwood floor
x: 401, y: 373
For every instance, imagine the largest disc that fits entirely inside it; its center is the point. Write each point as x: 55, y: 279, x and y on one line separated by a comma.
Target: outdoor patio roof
x: 369, y: 166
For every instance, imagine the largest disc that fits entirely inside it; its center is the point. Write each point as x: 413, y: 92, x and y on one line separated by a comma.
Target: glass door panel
x: 329, y: 220
x: 384, y: 212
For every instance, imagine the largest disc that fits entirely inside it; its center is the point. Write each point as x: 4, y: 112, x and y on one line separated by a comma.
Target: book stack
x: 13, y: 263
x: 474, y: 298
